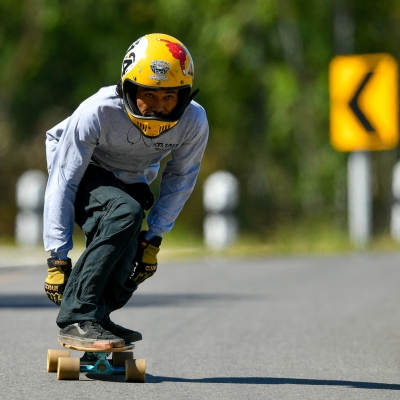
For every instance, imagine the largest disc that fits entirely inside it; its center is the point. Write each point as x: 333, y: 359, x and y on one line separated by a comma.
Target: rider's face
x: 156, y: 102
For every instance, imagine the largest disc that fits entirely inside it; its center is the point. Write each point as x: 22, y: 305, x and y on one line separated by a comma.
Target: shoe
x: 89, y: 334
x: 128, y: 335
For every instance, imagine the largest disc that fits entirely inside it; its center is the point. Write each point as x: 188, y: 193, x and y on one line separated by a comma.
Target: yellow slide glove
x: 58, y: 274
x: 146, y: 258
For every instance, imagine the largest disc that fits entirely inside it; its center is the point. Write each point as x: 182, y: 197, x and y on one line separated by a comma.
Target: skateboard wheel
x: 52, y: 359
x: 68, y: 368
x: 135, y: 370
x: 118, y: 358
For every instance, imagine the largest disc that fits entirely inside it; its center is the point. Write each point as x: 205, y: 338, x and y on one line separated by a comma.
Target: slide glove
x: 145, y: 260
x: 58, y: 274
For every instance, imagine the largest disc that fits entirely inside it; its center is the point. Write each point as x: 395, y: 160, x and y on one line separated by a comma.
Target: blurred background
x: 262, y: 69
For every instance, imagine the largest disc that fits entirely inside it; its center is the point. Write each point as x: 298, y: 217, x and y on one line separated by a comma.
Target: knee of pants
x: 125, y: 215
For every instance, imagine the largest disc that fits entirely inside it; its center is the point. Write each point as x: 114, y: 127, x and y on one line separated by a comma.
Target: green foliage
x: 262, y: 70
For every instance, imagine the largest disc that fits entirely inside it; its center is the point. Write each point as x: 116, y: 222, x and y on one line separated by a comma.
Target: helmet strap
x: 193, y: 95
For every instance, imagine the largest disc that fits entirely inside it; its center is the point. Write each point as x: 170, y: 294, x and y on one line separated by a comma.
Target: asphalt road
x: 284, y: 328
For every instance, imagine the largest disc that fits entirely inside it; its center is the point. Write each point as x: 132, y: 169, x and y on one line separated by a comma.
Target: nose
x: 158, y: 106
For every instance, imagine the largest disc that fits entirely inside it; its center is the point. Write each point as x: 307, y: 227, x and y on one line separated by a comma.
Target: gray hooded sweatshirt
x: 101, y: 130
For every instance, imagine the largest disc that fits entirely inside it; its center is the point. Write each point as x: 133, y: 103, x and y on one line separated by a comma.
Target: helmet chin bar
x: 151, y: 128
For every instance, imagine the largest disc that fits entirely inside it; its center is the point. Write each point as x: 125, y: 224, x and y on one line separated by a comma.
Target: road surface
x: 273, y: 328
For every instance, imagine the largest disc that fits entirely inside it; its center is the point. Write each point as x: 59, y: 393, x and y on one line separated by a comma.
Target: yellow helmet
x: 157, y: 61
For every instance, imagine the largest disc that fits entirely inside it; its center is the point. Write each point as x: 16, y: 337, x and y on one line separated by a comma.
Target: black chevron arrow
x: 357, y: 110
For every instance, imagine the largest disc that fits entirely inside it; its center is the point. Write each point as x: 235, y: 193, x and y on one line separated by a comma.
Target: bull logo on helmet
x: 179, y: 52
x: 160, y: 68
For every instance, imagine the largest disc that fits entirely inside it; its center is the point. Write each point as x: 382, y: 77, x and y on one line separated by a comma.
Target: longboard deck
x: 98, y: 350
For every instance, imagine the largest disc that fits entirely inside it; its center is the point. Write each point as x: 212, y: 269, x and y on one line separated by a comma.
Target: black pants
x: 111, y: 219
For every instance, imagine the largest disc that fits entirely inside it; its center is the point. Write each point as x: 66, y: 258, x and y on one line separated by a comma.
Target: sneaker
x: 89, y: 334
x: 128, y: 335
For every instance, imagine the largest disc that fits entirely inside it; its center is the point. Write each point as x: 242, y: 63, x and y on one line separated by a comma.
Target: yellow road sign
x: 364, y: 102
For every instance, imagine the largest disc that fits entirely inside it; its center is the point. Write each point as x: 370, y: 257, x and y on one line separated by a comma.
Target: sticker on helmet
x: 160, y: 68
x: 178, y: 52
x: 134, y: 54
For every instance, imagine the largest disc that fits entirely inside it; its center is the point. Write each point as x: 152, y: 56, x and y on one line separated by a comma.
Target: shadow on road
x: 137, y: 300
x: 276, y: 381
x: 256, y: 381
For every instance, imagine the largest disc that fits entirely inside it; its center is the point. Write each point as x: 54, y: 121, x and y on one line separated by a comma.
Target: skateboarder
x: 101, y: 161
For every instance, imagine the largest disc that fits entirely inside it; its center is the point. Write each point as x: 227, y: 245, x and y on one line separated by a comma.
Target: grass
x: 306, y: 238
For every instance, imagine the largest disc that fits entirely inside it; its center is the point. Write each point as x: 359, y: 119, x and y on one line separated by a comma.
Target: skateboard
x: 96, y: 361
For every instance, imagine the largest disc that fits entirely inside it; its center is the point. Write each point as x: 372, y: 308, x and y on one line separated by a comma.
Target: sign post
x: 363, y: 118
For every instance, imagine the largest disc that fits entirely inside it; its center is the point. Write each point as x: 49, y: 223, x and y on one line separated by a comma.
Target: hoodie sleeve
x: 69, y: 147
x: 178, y: 179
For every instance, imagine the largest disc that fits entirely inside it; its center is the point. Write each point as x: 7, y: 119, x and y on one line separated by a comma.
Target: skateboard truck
x: 99, y: 363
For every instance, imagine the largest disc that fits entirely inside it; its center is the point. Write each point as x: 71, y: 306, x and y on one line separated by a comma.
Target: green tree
x: 262, y: 67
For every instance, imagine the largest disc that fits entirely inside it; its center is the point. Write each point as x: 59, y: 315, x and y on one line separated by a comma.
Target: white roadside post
x: 220, y: 199
x: 30, y: 190
x: 359, y: 189
x: 395, y: 214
